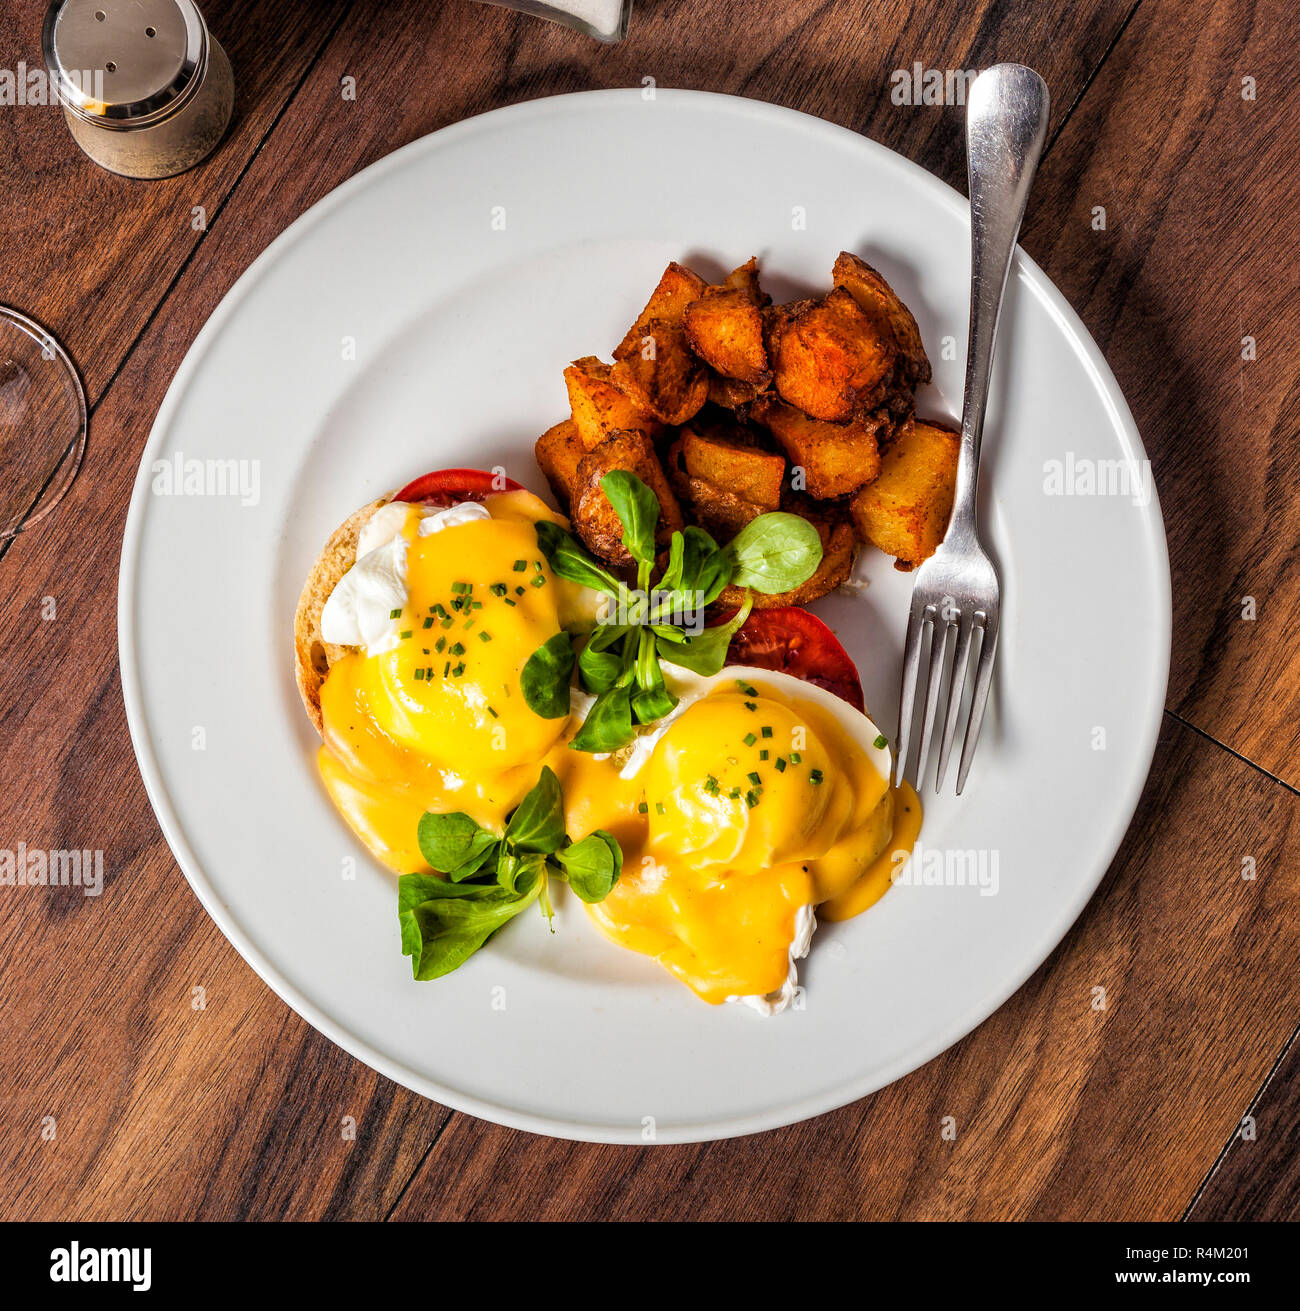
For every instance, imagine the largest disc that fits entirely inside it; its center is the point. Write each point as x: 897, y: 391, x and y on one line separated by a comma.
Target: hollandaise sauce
x: 759, y: 801
x: 763, y: 796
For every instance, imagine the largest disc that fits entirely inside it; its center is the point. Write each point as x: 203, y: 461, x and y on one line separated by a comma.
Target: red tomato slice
x: 792, y: 641
x: 451, y: 486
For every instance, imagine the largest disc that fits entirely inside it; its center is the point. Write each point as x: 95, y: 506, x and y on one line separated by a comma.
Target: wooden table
x: 121, y: 1099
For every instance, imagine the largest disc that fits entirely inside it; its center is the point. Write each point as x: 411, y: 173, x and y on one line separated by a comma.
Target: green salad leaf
x: 620, y: 664
x: 486, y: 880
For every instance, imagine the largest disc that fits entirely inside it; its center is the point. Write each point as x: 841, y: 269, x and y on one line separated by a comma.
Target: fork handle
x: 1006, y: 127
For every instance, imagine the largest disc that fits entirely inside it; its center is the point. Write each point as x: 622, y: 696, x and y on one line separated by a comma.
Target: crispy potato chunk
x: 753, y: 475
x: 882, y: 305
x: 599, y: 407
x: 559, y: 451
x: 668, y: 302
x: 828, y: 357
x: 716, y: 509
x: 745, y: 279
x: 725, y: 329
x: 594, y: 519
x: 663, y: 378
x: 905, y: 511
x: 730, y: 393
x: 837, y: 458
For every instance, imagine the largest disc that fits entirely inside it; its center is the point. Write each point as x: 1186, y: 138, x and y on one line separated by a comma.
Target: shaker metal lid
x: 125, y: 63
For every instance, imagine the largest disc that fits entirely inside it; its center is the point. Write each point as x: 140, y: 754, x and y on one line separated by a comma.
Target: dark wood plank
x: 1258, y: 1175
x: 1201, y: 250
x: 91, y: 254
x: 1062, y: 1111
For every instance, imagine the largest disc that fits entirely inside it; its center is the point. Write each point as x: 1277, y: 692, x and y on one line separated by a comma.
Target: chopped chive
x: 642, y: 808
x: 751, y: 705
x: 440, y: 645
x: 537, y: 564
x: 815, y: 777
x: 795, y: 758
x: 446, y: 669
x: 419, y: 675
x: 484, y: 636
x: 493, y: 713
x: 539, y: 581
x: 457, y: 649
x: 751, y: 799
x: 659, y: 808
x: 424, y: 650
x: 469, y: 623
x: 460, y: 587
x: 763, y: 755
x: 766, y: 730
x: 754, y: 777
x: 428, y: 673
x: 476, y: 605
x: 746, y: 688
x: 881, y: 742
x: 405, y: 634
x: 447, y: 623
x: 459, y: 670
x: 749, y: 739
x: 395, y: 614
x: 428, y: 623
x: 439, y: 611
x: 520, y: 566
x: 521, y: 591
x: 499, y: 589
x: 780, y: 764
x: 509, y: 601
x: 711, y: 786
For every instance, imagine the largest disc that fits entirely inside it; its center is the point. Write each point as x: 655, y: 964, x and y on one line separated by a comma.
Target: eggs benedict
x: 481, y: 711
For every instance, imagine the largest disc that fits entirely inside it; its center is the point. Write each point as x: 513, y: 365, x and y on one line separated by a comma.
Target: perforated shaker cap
x: 125, y: 63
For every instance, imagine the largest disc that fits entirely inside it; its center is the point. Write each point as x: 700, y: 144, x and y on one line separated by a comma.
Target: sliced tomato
x: 792, y: 641
x: 451, y: 486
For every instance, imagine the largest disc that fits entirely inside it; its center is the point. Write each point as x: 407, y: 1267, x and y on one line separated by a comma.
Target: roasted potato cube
x: 905, y: 511
x: 599, y: 407
x: 668, y: 302
x: 663, y: 377
x: 717, y: 509
x: 749, y: 473
x: 593, y: 517
x: 828, y: 357
x: 836, y: 458
x: 725, y: 329
x: 838, y: 550
x: 559, y: 451
x: 730, y: 393
x: 882, y: 305
x: 745, y: 279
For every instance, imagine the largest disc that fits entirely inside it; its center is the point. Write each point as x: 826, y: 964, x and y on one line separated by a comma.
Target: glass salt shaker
x: 146, y: 90
x: 606, y: 20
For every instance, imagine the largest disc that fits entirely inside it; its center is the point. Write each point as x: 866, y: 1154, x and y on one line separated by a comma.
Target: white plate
x: 464, y: 272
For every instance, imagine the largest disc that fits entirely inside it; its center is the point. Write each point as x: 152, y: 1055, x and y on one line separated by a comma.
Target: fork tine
x: 954, y: 697
x: 916, y: 620
x: 938, y: 646
x: 983, y: 680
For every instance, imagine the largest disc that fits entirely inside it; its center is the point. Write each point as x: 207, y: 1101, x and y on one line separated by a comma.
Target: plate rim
x: 699, y: 1130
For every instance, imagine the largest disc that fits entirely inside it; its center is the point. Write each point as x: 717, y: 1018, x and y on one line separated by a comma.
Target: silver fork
x: 956, y: 589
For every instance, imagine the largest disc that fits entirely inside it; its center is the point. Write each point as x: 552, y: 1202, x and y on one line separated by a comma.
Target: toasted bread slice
x: 313, y: 656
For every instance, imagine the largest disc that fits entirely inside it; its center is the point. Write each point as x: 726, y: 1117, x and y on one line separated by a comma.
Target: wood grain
x: 1201, y: 251
x: 236, y: 1110
x: 1256, y: 1177
x: 90, y: 254
x: 1062, y: 1111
